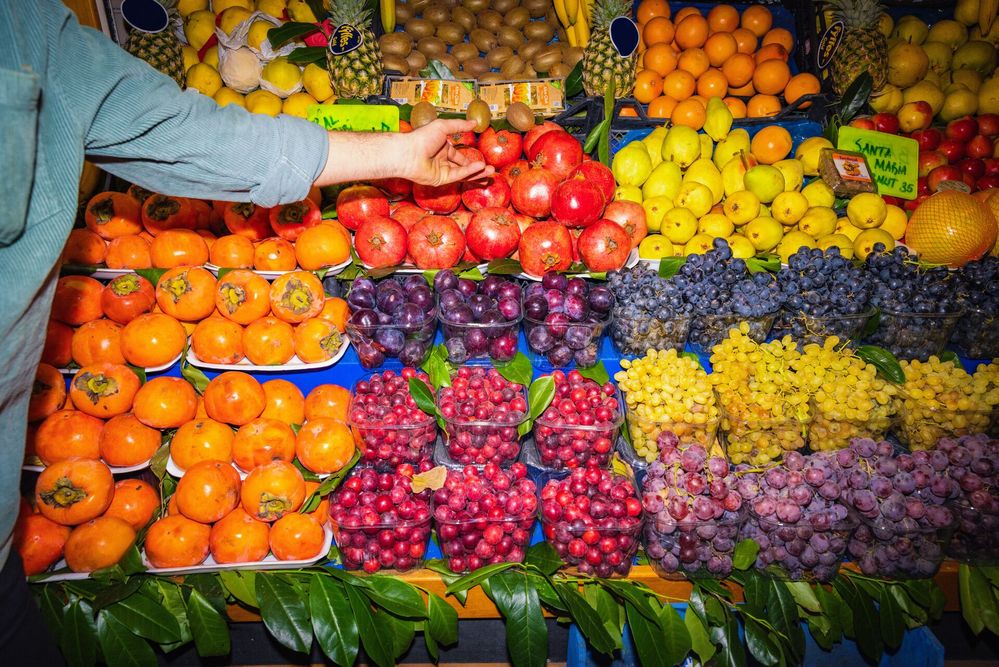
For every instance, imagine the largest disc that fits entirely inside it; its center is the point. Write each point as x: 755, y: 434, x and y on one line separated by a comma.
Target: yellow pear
x: 910, y: 29
x: 698, y: 245
x: 741, y: 207
x: 895, y: 222
x: 734, y: 175
x: 966, y: 11
x: 199, y: 28
x: 888, y: 100
x: 793, y: 172
x: 740, y: 246
x: 663, y: 181
x: 705, y: 172
x: 958, y: 103
x: 864, y: 244
x: 763, y: 233
x: 655, y: 246
x: 988, y: 96
x: 226, y: 96
x: 682, y: 145
x: 263, y: 102
x: 907, y: 64
x: 968, y: 78
x: 629, y: 193
x: 950, y: 32
x: 299, y: 10
x: 631, y: 165
x: 718, y: 119
x: 885, y: 24
x: 809, y: 150
x: 867, y: 210
x: 925, y: 91
x: 731, y: 146
x: 839, y: 241
x: 789, y: 207
x: 679, y: 225
x: 846, y: 228
x: 818, y: 193
x: 655, y: 209
x: 716, y: 225
x: 978, y: 55
x: 707, y: 146
x: 204, y: 78
x: 818, y: 221
x: 695, y: 197
x: 792, y: 242
x: 653, y: 143
x: 939, y: 55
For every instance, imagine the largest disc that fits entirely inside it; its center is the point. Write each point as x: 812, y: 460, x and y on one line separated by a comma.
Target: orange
x: 712, y: 84
x: 234, y: 398
x: 239, y: 538
x: 736, y: 106
x: 152, y: 340
x: 324, y: 445
x: 67, y: 434
x: 39, y: 541
x: 165, y: 402
x: 742, y: 91
x: 243, y: 296
x: 284, y: 401
x: 104, y: 390
x: 684, y: 13
x: 178, y: 247
x: 762, y: 106
x: 648, y: 86
x: 176, y: 541
x: 770, y: 52
x: 662, y: 107
x: 98, y: 543
x: 208, y: 491
x: 261, y: 441
x: 800, y: 85
x: 77, y: 300
x: 757, y: 19
x: 269, y: 342
x: 723, y: 18
x: 84, y: 247
x: 48, y: 393
x: 629, y: 112
x: 274, y: 255
x: 125, y: 441
x: 771, y: 144
x: 745, y: 40
x: 201, y: 440
x: 97, y: 341
x: 780, y: 36
x: 296, y: 537
x: 691, y: 31
x: 693, y: 60
x: 649, y: 9
x: 720, y: 47
x: 297, y: 296
x: 232, y: 251
x: 327, y: 244
x: 771, y: 76
x: 128, y: 252
x: 658, y: 30
x: 135, y: 501
x: 272, y: 490
x: 337, y: 311
x: 73, y: 491
x: 679, y: 84
x: 328, y: 400
x: 738, y: 69
x: 689, y: 113
x: 660, y: 59
x: 218, y: 341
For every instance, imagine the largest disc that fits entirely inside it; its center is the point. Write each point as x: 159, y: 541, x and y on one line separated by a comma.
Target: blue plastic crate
x: 800, y: 130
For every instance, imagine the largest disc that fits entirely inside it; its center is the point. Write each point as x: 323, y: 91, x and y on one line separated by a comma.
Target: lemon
x: 257, y: 34
x: 895, y: 222
x: 219, y: 6
x: 317, y: 82
x: 212, y: 57
x: 655, y: 246
x: 299, y: 10
x: 199, y: 28
x: 204, y: 78
x: 185, y: 7
x: 232, y: 17
x: 863, y: 245
x: 265, y: 102
x: 283, y: 75
x: 298, y: 104
x: 190, y: 57
x: 274, y: 8
x: 226, y: 96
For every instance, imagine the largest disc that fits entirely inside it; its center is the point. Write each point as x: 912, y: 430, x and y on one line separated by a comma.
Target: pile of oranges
x: 686, y: 58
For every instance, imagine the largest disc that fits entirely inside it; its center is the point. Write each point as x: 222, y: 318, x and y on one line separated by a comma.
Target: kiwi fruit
x: 416, y: 60
x: 483, y: 39
x: 496, y: 56
x: 451, y: 33
x: 396, y: 63
x: 419, y: 5
x: 419, y: 28
x: 539, y: 30
x: 510, y: 36
x: 536, y: 8
x: 517, y: 17
x: 512, y: 67
x: 560, y: 33
x: 395, y: 44
x: 530, y: 49
x: 475, y: 67
x: 436, y: 13
x: 475, y: 6
x: 449, y: 61
x: 431, y: 47
x: 403, y: 12
x: 503, y: 6
x: 422, y: 114
x: 479, y: 112
x: 491, y: 77
x: 559, y: 71
x: 464, y: 18
x: 490, y: 20
x: 520, y: 116
x: 464, y: 51
x: 572, y: 56
x: 546, y: 57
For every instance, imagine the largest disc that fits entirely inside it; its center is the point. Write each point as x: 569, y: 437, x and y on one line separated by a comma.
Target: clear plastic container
x: 496, y: 341
x: 644, y: 433
x: 706, y: 331
x: 385, y: 443
x: 568, y: 445
x: 976, y: 535
x: 468, y: 544
x: 898, y: 550
x: 807, y: 329
x: 760, y: 441
x: 592, y: 550
x: 833, y: 430
x: 801, y: 550
x: 393, y: 547
x: 914, y: 335
x: 976, y: 335
x: 561, y: 345
x: 635, y: 336
x: 374, y: 343
x: 919, y: 426
x: 698, y: 548
x: 493, y: 440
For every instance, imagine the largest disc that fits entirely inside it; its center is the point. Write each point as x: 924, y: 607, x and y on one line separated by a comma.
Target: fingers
x: 456, y: 156
x: 447, y: 126
x: 471, y: 171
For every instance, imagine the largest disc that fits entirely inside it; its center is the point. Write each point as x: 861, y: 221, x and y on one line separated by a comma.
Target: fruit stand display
x: 694, y: 386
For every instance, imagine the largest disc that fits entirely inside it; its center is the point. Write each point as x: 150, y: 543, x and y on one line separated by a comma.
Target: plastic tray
x: 271, y: 275
x: 629, y: 263
x: 293, y: 365
x: 98, y: 272
x: 115, y: 470
x: 151, y: 369
x: 175, y: 470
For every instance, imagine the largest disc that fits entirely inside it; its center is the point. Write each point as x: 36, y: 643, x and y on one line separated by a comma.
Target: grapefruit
x: 952, y: 228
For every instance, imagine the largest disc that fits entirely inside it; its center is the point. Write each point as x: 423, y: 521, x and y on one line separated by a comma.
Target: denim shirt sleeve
x: 140, y: 126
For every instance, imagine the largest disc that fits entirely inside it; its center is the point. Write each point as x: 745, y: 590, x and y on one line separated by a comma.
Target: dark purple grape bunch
x: 901, y: 500
x: 580, y: 425
x: 485, y: 516
x: 565, y: 319
x: 479, y: 318
x: 391, y: 318
x: 795, y: 516
x: 482, y: 411
x: 380, y: 523
x: 593, y: 518
x: 977, y: 333
x: 974, y: 465
x: 694, y: 510
x: 389, y: 427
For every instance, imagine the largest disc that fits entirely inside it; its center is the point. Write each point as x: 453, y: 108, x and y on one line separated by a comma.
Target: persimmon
x: 297, y: 296
x: 178, y: 247
x: 73, y: 491
x: 323, y: 245
x: 285, y: 401
x: 85, y: 248
x: 297, y: 537
x: 272, y: 490
x: 337, y: 311
x: 243, y: 296
x: 261, y: 441
x: 269, y: 342
x: 239, y: 538
x: 128, y: 252
x: 68, y: 434
x: 203, y: 214
x: 58, y: 347
x: 104, y: 390
x: 48, y: 393
x: 317, y: 340
x: 324, y: 445
x: 328, y: 400
x: 234, y: 398
x: 165, y: 402
x: 208, y: 491
x: 176, y: 541
x: 152, y: 340
x: 160, y: 213
x: 232, y: 251
x: 138, y: 193
x: 201, y: 440
x: 97, y: 341
x: 98, y: 543
x: 274, y: 255
x: 125, y: 441
x: 289, y: 220
x: 135, y: 502
x: 126, y: 297
x: 218, y: 341
x: 39, y: 541
x: 248, y: 220
x: 77, y: 300
x: 112, y: 215
x: 322, y: 511
x: 187, y: 293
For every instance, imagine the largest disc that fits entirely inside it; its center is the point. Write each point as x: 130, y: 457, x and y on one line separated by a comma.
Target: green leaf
x: 284, y: 613
x: 437, y: 367
x: 865, y: 618
x: 574, y: 81
x: 51, y: 609
x: 892, y: 624
x: 631, y: 593
x: 546, y: 593
x: 754, y: 592
x: 918, y: 590
x: 586, y: 618
x: 306, y: 55
x: 597, y: 373
x: 118, y: 645
x: 834, y: 608
x: 544, y: 557
x: 782, y: 612
x: 442, y: 621
x: 917, y: 615
x: 855, y: 97
x: 329, y: 484
x: 157, y: 464
x: 146, y: 618
x: 763, y: 649
x: 540, y: 396
x: 397, y: 596
x: 195, y: 376
x: 950, y: 355
x: 699, y: 640
x: 423, y: 396
x: 504, y: 267
x: 676, y: 639
x: 526, y: 632
x: 333, y: 620
x: 377, y: 646
x: 139, y: 373
x: 763, y: 263
x: 610, y: 613
x: 886, y: 363
x: 152, y: 275
x: 172, y: 599
x: 401, y: 630
x: 745, y: 554
x: 476, y: 577
x: 290, y: 31
x: 731, y: 652
x: 241, y: 585
x: 210, y: 629
x: 517, y: 370
x: 648, y: 638
x: 804, y: 595
x: 116, y: 592
x: 78, y: 639
x: 984, y: 599
x: 670, y: 266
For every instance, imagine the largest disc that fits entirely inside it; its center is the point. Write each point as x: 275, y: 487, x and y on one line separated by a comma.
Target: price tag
x: 355, y: 117
x: 893, y: 160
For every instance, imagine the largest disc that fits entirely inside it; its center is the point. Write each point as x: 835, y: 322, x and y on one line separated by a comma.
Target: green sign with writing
x: 893, y: 161
x: 355, y: 117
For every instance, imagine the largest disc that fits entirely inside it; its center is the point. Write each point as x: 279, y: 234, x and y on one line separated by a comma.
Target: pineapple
x: 601, y: 62
x: 357, y: 74
x: 162, y: 50
x: 863, y: 48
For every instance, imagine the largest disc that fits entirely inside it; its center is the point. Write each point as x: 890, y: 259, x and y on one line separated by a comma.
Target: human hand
x: 429, y: 159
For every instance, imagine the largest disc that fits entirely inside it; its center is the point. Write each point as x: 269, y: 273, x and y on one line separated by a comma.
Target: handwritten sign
x: 344, y: 39
x: 893, y: 161
x: 355, y: 117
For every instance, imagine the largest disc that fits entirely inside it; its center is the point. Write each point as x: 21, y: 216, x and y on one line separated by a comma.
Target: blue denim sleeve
x: 143, y: 128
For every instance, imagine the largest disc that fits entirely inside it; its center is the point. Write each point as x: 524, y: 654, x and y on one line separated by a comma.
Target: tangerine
x: 68, y: 434
x: 679, y: 84
x: 126, y: 297
x: 757, y: 19
x: 84, y: 247
x: 285, y: 401
x: 720, y: 47
x: 73, y: 491
x: 738, y: 69
x: 771, y: 76
x: 234, y: 398
x: 48, y: 393
x: 712, y: 84
x: 684, y: 12
x: 39, y: 541
x: 112, y: 215
x: 176, y: 541
x: 201, y: 440
x: 297, y: 296
x: 208, y: 491
x: 261, y: 441
x: 800, y: 85
x: 272, y: 490
x: 98, y: 543
x: 745, y: 41
x: 691, y: 30
x: 165, y: 402
x: 58, y: 347
x: 650, y: 9
x: 662, y: 107
x: 269, y: 342
x: 274, y: 255
x: 178, y: 247
x: 77, y: 300
x: 297, y: 537
x: 243, y: 296
x: 659, y: 30
x: 233, y: 251
x: 695, y: 61
x: 128, y: 252
x: 736, y: 106
x: 239, y: 538
x: 723, y: 18
x: 324, y: 245
x: 152, y: 340
x: 104, y: 390
x: 661, y: 59
x: 742, y: 91
x: 217, y: 340
x: 690, y: 113
x: 187, y: 293
x: 770, y: 52
x: 762, y: 106
x: 324, y: 445
x: 780, y: 36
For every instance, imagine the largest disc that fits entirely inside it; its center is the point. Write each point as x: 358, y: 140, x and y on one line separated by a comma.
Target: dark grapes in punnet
x: 651, y: 312
x: 593, y: 518
x: 379, y: 523
x: 479, y: 319
x: 485, y: 516
x: 391, y: 318
x: 482, y: 411
x: 389, y: 427
x: 977, y: 332
x: 973, y: 463
x: 565, y: 320
x: 694, y: 511
x: 580, y: 425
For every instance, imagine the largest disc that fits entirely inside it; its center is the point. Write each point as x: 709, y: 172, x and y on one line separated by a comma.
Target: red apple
x: 437, y: 198
x: 604, y: 246
x: 532, y: 192
x: 357, y: 203
x: 577, y: 202
x: 928, y: 161
x: 979, y: 147
x: 545, y: 246
x: 894, y: 201
x: 962, y: 129
x: 535, y: 133
x: 886, y: 122
x: 952, y: 149
x: 493, y: 233
x: 949, y: 172
x: 598, y: 174
x: 491, y: 191
x: 988, y: 124
x: 631, y: 216
x: 921, y: 187
x: 928, y: 139
x: 913, y: 204
x: 863, y: 123
x: 988, y: 182
x: 915, y: 116
x: 973, y: 167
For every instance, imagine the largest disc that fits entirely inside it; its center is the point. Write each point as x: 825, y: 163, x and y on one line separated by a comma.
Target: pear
x: 792, y: 242
x: 846, y: 228
x: 741, y: 207
x: 654, y: 144
x: 717, y: 119
x: 789, y: 207
x: 737, y: 141
x: 764, y: 181
x: 940, y: 55
x: 740, y: 246
x: 978, y: 55
x: 818, y: 221
x: 844, y: 243
x: 966, y: 11
x: 734, y: 173
x: 695, y: 197
x: 911, y: 30
x: 657, y: 246
x: 628, y: 193
x: 867, y: 210
x: 632, y: 164
x: 950, y: 32
x: 907, y: 64
x: 655, y: 209
x: 705, y: 172
x: 698, y: 245
x: 664, y: 181
x: 763, y: 233
x: 682, y: 145
x: 793, y: 172
x: 818, y: 193
x: 679, y: 225
x: 808, y: 154
x: 716, y: 225
x: 707, y: 146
